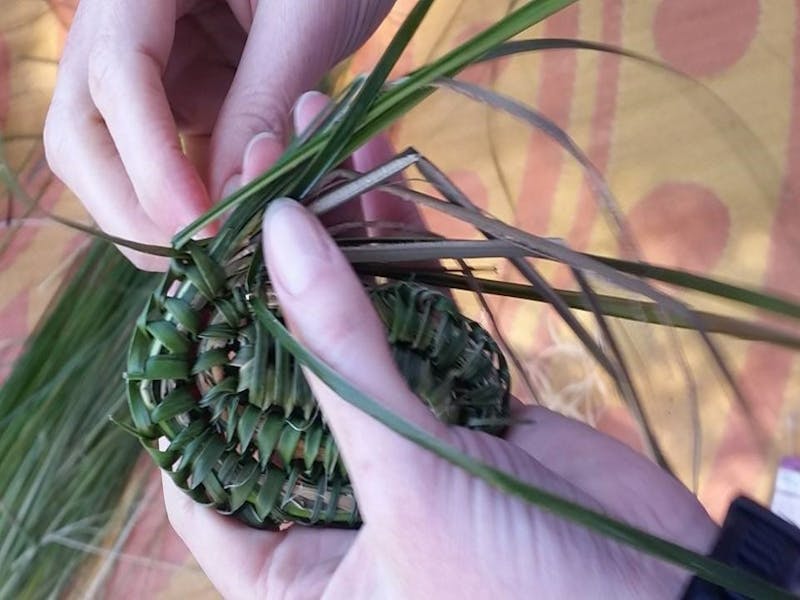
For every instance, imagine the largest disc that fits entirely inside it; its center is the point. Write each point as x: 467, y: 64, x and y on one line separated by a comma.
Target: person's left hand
x: 222, y: 73
x: 431, y: 530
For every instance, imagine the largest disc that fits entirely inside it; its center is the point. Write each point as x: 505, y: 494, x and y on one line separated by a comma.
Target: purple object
x: 791, y: 462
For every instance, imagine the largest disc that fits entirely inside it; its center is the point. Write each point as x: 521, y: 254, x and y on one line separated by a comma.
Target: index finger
x: 329, y: 311
x: 126, y: 64
x: 243, y: 562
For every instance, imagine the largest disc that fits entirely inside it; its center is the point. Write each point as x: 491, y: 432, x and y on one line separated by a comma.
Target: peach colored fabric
x: 698, y: 191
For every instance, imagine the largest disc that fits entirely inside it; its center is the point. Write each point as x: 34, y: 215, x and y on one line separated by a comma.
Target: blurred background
x: 705, y: 172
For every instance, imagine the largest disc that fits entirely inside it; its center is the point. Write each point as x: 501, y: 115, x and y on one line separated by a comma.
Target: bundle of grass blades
x: 64, y: 463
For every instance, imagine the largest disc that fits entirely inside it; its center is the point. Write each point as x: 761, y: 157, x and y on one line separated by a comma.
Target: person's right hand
x: 430, y: 529
x: 225, y: 74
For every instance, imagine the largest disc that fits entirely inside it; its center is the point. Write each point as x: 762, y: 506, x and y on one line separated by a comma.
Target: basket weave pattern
x: 244, y: 431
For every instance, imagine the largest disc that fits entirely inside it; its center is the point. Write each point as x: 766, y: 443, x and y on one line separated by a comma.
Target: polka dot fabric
x: 697, y: 188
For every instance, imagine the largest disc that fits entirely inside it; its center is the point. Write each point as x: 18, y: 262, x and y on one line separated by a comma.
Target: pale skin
x: 430, y: 530
x: 224, y: 74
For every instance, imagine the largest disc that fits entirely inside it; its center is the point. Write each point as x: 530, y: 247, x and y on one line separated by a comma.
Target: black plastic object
x: 757, y: 541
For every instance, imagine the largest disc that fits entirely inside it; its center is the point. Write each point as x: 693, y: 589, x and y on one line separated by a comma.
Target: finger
x: 307, y: 108
x: 539, y: 428
x: 81, y: 153
x: 242, y: 562
x: 127, y: 63
x: 206, y: 50
x: 230, y: 553
x: 329, y: 311
x: 268, y: 80
x: 303, y: 565
x: 610, y: 472
x: 358, y: 574
x: 262, y: 151
x: 290, y: 46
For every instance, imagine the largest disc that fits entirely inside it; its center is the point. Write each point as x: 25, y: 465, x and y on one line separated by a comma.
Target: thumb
x: 327, y: 308
x: 290, y: 46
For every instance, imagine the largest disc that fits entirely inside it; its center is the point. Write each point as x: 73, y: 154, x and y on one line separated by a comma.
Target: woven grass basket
x: 244, y: 430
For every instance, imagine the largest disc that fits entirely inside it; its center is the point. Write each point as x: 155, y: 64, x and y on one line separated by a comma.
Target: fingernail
x: 261, y: 151
x: 297, y: 249
x: 234, y: 183
x: 303, y: 114
x: 309, y: 96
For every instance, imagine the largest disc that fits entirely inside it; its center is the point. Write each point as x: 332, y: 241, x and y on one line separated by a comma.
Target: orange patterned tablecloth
x: 698, y: 189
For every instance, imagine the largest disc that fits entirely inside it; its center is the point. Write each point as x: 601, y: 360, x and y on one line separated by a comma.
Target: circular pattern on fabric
x: 681, y: 224
x: 704, y: 37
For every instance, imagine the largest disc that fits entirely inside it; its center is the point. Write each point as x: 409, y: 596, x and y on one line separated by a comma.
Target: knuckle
x: 258, y: 116
x: 55, y: 137
x: 244, y: 115
x: 146, y: 262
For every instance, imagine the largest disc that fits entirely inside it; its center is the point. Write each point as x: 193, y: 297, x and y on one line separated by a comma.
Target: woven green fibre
x: 245, y: 434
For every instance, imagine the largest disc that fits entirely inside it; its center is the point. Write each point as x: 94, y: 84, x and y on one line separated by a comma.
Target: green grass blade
x: 554, y: 250
x: 679, y: 278
x: 751, y: 297
x: 611, y: 306
x: 338, y: 142
x: 471, y: 51
x: 550, y: 129
x: 741, y: 139
x: 622, y: 375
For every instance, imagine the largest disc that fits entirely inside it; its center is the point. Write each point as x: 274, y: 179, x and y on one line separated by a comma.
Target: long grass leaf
x: 613, y: 365
x: 497, y: 333
x: 560, y: 253
x: 622, y: 377
x: 550, y: 128
x: 743, y: 141
x: 611, y: 306
x: 692, y: 281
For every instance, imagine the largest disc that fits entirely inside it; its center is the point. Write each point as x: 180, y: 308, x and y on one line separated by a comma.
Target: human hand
x: 430, y: 530
x: 224, y: 74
